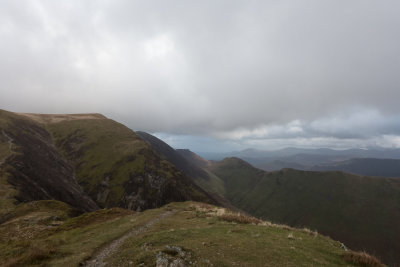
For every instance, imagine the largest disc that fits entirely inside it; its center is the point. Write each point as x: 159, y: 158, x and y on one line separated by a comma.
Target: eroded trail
x: 98, y: 259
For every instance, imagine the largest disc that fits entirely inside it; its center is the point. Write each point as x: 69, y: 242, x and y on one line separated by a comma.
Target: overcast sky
x: 211, y: 75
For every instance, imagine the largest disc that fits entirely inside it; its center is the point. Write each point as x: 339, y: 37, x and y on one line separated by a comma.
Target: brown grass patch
x: 239, y: 218
x: 361, y: 259
x: 34, y: 254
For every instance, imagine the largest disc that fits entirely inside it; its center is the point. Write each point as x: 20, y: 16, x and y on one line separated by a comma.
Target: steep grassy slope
x: 174, y: 157
x: 190, y: 164
x: 187, y: 233
x: 194, y: 159
x: 31, y: 167
x: 362, y: 212
x: 117, y: 168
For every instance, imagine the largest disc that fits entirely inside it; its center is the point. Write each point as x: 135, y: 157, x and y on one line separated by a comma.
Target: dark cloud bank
x: 249, y: 73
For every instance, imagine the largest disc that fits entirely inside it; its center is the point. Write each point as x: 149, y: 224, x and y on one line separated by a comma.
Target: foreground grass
x: 203, y: 235
x: 44, y: 234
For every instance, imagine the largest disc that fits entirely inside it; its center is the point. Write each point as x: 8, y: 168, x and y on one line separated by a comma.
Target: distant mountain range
x: 291, y: 151
x: 384, y: 162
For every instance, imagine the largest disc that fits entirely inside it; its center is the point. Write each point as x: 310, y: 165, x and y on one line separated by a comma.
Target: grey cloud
x: 207, y: 67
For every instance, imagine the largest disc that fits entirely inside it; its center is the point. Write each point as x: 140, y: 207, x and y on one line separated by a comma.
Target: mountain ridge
x: 334, y: 203
x: 102, y: 162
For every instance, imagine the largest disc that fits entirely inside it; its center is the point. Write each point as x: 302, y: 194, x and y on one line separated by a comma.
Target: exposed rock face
x: 37, y: 169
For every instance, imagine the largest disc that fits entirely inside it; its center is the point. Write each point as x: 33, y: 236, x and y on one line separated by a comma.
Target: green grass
x: 42, y: 233
x: 100, y: 147
x: 199, y: 233
x: 206, y: 239
x: 213, y: 185
x: 360, y: 211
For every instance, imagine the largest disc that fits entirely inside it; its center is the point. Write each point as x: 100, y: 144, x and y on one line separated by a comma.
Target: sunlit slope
x: 362, y: 212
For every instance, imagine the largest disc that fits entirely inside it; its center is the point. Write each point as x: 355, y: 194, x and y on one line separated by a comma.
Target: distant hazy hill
x: 87, y: 161
x: 363, y: 212
x: 291, y: 151
x: 299, y: 158
x: 278, y: 164
x: 365, y: 166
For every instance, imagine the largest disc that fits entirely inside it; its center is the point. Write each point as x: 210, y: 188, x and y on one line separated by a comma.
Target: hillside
x: 194, y: 159
x: 191, y: 165
x: 362, y: 212
x: 190, y: 169
x: 87, y: 161
x: 32, y: 168
x: 44, y: 233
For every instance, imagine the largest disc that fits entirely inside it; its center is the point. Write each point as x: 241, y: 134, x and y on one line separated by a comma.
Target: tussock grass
x: 239, y: 218
x: 34, y: 254
x: 229, y: 216
x: 361, y: 259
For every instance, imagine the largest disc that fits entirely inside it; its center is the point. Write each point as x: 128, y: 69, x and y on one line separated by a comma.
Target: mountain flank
x: 87, y: 161
x: 363, y: 212
x: 193, y: 166
x: 33, y: 167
